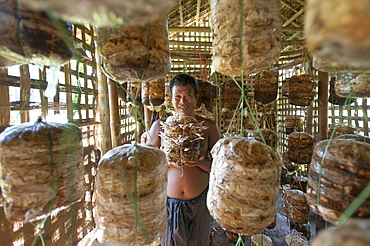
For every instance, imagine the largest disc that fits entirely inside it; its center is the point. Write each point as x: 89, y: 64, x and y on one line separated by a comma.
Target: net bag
x: 131, y: 195
x: 266, y: 87
x: 261, y: 240
x: 253, y: 49
x: 31, y: 37
x: 301, y: 90
x: 269, y: 136
x: 153, y: 92
x: 339, y: 171
x: 293, y: 124
x: 296, y: 207
x: 339, y: 31
x: 300, y: 147
x: 135, y: 53
x: 239, y: 206
x: 356, y: 87
x: 353, y: 232
x: 41, y: 169
x: 334, y: 98
x: 105, y: 13
x: 230, y: 95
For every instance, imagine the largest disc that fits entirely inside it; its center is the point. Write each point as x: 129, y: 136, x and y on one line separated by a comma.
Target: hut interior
x: 108, y: 117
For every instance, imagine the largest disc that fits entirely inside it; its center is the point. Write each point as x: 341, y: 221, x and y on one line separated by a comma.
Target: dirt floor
x: 277, y: 234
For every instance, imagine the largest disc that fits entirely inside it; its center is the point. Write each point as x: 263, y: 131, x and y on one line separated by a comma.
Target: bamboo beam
x: 198, y: 12
x: 292, y: 42
x: 295, y: 16
x: 189, y: 29
x: 181, y: 13
x: 182, y: 57
x: 209, y: 44
x: 114, y: 113
x: 287, y: 5
x: 295, y: 52
x: 208, y: 29
x: 323, y: 95
x: 290, y: 58
x: 194, y: 62
x: 190, y: 43
x: 191, y: 51
x: 292, y: 29
x: 290, y: 64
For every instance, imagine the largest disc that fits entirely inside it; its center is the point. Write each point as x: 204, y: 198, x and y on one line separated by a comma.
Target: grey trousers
x: 188, y: 222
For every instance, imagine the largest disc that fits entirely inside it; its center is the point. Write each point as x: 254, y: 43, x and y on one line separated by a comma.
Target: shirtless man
x: 188, y: 222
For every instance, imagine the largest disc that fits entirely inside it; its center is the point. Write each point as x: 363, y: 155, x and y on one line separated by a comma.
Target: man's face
x: 184, y: 100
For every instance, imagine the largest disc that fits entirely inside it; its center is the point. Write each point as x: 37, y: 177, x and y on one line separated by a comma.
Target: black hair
x: 183, y: 80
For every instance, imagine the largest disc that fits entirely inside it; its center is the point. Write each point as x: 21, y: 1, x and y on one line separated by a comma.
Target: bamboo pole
x: 4, y: 102
x: 309, y: 112
x: 147, y: 118
x: 114, y: 113
x: 69, y: 101
x: 323, y: 95
x: 103, y: 102
x: 44, y: 100
x: 366, y: 119
x: 309, y: 119
x: 25, y: 91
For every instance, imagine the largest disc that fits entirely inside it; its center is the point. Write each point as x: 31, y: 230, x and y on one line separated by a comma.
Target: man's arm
x: 154, y: 137
x: 214, y: 135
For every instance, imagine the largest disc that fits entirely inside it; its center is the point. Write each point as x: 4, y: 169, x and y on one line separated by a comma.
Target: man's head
x: 184, y: 91
x: 184, y: 79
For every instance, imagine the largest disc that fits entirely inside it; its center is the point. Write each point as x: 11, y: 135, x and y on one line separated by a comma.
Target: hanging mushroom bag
x: 244, y: 184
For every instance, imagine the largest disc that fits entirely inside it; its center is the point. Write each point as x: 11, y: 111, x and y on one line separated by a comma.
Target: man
x: 188, y: 222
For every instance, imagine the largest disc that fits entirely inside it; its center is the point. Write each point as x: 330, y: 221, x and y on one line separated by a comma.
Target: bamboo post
x: 4, y: 103
x: 69, y: 101
x: 309, y: 111
x: 309, y: 118
x: 140, y: 121
x: 114, y: 113
x: 366, y: 119
x: 44, y: 99
x: 147, y: 118
x: 25, y: 91
x: 103, y: 102
x: 323, y: 95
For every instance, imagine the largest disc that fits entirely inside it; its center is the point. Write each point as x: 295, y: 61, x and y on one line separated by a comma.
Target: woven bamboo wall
x: 22, y: 100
